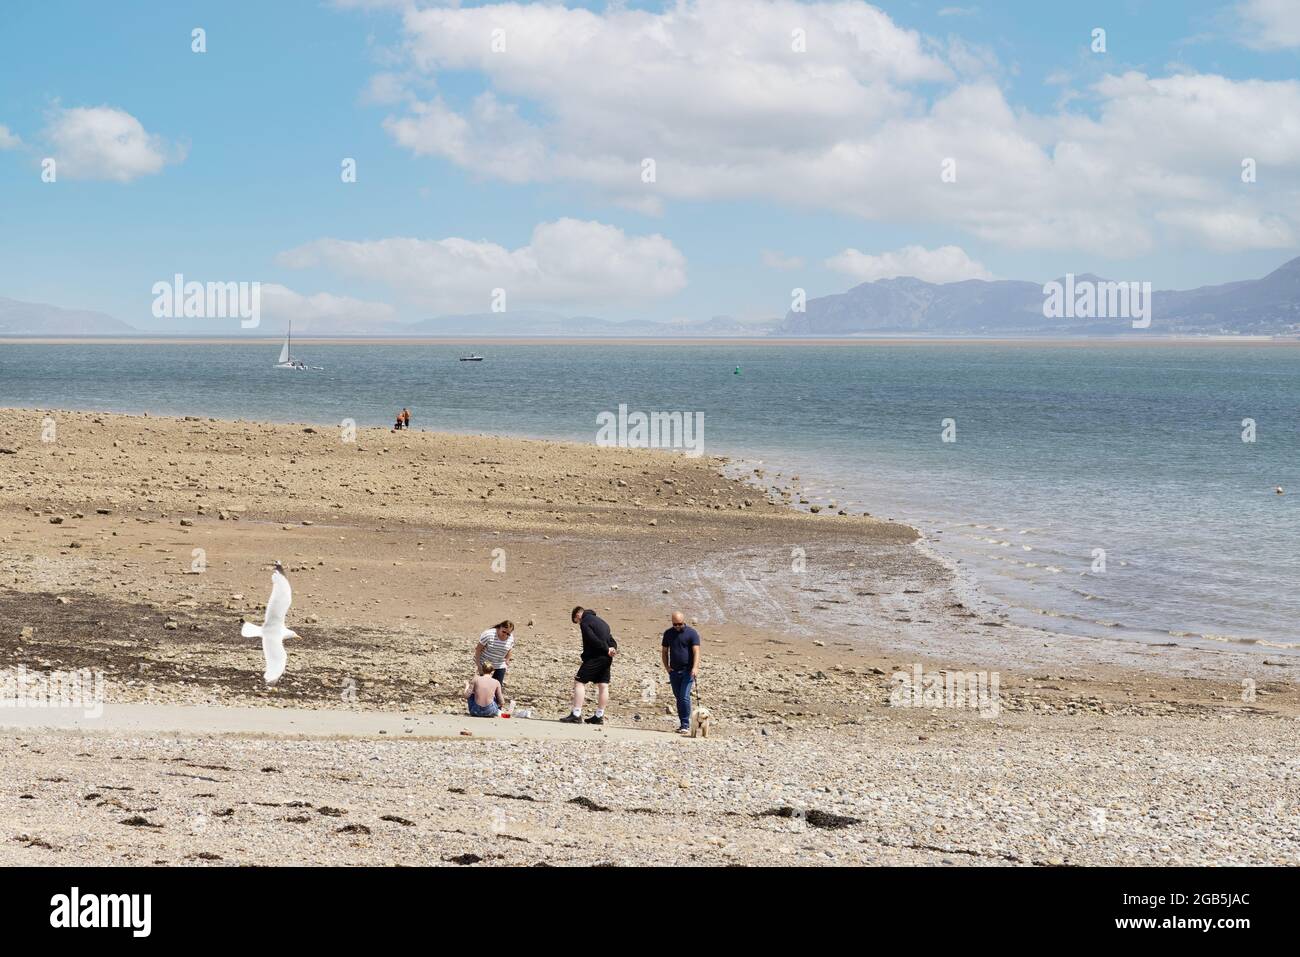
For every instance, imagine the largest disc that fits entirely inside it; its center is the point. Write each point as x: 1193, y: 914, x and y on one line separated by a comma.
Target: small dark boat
x: 473, y: 357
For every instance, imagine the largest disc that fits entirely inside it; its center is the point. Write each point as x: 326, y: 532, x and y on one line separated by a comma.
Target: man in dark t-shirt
x: 598, y: 647
x: 681, y: 657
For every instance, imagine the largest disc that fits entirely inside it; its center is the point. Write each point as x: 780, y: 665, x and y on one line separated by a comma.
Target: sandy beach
x: 135, y: 545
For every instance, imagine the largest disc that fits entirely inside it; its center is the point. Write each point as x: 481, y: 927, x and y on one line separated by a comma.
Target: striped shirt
x: 494, y: 648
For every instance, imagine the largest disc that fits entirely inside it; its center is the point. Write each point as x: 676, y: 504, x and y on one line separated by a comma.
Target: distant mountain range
x: 554, y: 324
x: 902, y: 306
x: 36, y: 319
x: 975, y: 307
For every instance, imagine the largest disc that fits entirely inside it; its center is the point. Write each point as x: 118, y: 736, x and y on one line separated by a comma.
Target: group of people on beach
x: 403, y: 420
x: 494, y: 649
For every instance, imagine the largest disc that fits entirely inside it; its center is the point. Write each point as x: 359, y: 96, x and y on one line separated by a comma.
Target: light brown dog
x: 700, y: 722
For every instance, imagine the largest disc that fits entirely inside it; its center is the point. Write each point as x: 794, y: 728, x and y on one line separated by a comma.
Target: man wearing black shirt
x: 681, y: 657
x: 598, y: 647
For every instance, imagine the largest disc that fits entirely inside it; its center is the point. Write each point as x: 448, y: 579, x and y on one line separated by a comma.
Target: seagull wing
x: 277, y: 606
x: 273, y: 649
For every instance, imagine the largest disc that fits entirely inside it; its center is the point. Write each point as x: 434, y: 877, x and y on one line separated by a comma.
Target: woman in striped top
x: 496, y: 646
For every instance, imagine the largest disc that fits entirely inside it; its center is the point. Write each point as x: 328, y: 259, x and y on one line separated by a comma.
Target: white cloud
x: 8, y: 140
x: 860, y: 123
x: 102, y: 142
x: 972, y: 60
x: 1270, y: 24
x: 567, y: 263
x: 701, y: 87
x: 281, y: 303
x: 943, y: 264
x: 492, y: 139
x: 1226, y: 229
x: 385, y: 89
x: 773, y: 259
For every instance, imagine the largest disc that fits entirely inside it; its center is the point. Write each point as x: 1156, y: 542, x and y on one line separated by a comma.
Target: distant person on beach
x: 398, y: 424
x: 406, y: 418
x: 598, y: 647
x: 483, y: 694
x: 681, y: 657
x: 496, y: 647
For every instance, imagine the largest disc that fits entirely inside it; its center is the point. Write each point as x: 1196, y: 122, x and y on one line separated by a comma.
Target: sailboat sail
x: 287, y: 361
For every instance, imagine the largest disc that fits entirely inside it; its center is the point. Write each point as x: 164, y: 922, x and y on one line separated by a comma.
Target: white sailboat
x: 287, y: 361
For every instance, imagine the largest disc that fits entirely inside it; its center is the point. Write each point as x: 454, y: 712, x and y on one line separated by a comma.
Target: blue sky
x: 242, y: 146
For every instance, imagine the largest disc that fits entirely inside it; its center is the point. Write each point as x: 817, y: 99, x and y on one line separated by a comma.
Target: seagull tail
x: 251, y: 630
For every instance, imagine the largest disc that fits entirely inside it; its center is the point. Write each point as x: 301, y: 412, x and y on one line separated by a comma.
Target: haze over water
x: 1060, y: 450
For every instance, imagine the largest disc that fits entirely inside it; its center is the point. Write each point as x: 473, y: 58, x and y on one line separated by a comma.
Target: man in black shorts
x: 598, y: 647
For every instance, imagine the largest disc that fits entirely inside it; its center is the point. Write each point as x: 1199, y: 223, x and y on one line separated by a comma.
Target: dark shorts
x: 595, y: 670
x: 500, y: 675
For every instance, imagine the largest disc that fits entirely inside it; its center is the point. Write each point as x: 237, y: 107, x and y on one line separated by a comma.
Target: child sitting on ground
x: 484, y: 693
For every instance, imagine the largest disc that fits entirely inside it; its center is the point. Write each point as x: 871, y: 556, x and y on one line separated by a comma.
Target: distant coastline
x: 1077, y: 341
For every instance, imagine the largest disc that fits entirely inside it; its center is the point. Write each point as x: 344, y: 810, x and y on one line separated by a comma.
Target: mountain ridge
x: 1269, y: 305
x: 19, y: 318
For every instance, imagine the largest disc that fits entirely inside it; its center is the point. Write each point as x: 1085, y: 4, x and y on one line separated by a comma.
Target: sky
x: 664, y: 161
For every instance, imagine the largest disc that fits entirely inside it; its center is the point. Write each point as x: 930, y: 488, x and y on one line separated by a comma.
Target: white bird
x: 272, y: 630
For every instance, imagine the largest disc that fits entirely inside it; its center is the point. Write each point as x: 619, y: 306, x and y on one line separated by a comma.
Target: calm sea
x: 1064, y: 456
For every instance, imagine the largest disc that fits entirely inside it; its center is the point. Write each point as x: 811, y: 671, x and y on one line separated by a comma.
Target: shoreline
x: 1124, y: 651
x: 1125, y: 648
x: 1089, y: 636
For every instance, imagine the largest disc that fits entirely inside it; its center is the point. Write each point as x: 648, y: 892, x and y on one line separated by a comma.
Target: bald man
x: 681, y: 657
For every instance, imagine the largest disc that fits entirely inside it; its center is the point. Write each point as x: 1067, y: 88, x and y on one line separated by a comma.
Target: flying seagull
x: 272, y: 631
